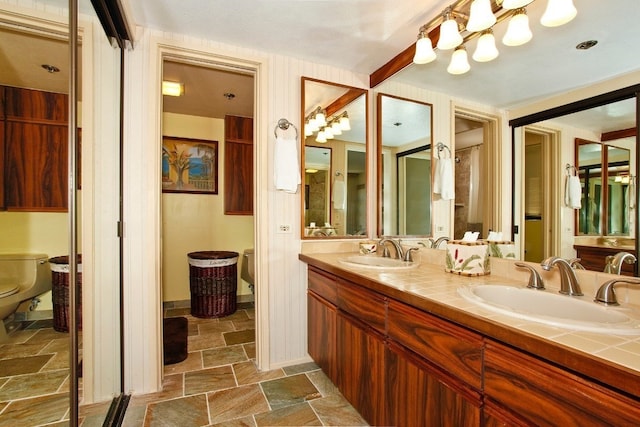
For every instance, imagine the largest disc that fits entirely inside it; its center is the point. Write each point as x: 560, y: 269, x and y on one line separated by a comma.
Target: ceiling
x: 364, y: 35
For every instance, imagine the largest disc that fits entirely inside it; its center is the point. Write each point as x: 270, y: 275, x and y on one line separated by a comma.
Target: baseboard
x: 166, y: 305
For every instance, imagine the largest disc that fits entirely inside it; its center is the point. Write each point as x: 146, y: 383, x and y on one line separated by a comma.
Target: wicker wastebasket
x: 60, y: 292
x: 213, y: 281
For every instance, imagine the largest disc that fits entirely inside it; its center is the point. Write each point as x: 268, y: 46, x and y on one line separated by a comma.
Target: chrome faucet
x: 606, y: 294
x: 436, y: 243
x: 535, y: 281
x: 396, y: 245
x: 575, y: 264
x: 614, y: 263
x: 568, y: 280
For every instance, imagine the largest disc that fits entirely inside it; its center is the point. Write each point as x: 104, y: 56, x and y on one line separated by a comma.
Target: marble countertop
x: 431, y: 288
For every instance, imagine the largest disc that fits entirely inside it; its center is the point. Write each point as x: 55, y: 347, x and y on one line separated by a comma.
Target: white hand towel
x: 286, y: 166
x: 443, y: 182
x: 339, y: 194
x: 573, y: 192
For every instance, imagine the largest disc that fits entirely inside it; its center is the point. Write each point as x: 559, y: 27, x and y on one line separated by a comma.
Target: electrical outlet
x: 284, y: 228
x: 440, y: 228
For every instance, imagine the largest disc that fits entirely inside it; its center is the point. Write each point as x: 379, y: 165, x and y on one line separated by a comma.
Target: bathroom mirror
x: 404, y: 135
x: 602, y: 133
x: 334, y: 196
x: 605, y: 178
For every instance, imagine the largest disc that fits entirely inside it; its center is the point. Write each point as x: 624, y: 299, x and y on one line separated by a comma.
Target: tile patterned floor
x: 217, y: 385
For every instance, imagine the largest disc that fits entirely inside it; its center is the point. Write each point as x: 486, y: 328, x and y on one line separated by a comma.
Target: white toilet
x: 22, y: 277
x: 248, y: 268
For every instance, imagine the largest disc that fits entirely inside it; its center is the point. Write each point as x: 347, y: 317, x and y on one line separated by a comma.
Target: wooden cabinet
x: 321, y: 322
x: 361, y: 360
x: 523, y: 387
x: 35, y: 150
x: 238, y: 165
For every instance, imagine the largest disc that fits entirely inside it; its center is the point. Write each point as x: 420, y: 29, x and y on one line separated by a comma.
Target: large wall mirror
x: 334, y: 159
x: 598, y: 139
x: 404, y: 135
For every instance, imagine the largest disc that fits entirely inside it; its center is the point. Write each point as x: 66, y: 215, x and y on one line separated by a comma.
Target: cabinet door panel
x: 524, y: 385
x: 238, y: 178
x: 363, y: 304
x: 321, y: 328
x: 451, y: 348
x: 36, y: 106
x: 323, y: 285
x: 361, y: 376
x: 36, y: 167
x: 426, y: 396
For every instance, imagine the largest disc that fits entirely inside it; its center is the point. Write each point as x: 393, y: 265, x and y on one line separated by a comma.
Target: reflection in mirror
x: 404, y: 160
x: 602, y: 131
x: 335, y: 121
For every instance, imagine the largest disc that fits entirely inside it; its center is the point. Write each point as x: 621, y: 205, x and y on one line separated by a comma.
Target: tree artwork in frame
x: 189, y: 165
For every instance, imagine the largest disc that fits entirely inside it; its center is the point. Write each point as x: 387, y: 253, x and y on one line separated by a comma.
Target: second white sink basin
x: 377, y: 262
x: 552, y: 309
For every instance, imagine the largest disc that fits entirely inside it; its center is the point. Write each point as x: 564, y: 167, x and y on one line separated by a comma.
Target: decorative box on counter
x: 502, y: 249
x: 468, y: 258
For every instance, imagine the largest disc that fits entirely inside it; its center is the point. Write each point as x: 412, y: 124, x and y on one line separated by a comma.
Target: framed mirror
x: 404, y: 135
x: 601, y: 135
x: 334, y: 160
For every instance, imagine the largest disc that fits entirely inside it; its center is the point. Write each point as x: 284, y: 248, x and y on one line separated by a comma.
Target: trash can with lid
x: 213, y: 282
x: 60, y: 292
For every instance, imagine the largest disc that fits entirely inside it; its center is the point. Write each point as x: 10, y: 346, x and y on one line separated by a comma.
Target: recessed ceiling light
x: 229, y: 95
x: 397, y: 124
x: 588, y: 44
x: 51, y: 68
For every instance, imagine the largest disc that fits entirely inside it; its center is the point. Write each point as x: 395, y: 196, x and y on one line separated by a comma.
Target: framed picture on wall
x: 189, y: 165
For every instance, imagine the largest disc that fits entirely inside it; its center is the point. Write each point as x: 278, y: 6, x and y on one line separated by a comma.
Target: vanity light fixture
x: 465, y: 20
x: 486, y: 48
x: 449, y: 33
x: 172, y: 88
x: 459, y: 62
x: 345, y: 124
x: 320, y: 137
x: 310, y: 170
x: 518, y: 32
x: 335, y: 127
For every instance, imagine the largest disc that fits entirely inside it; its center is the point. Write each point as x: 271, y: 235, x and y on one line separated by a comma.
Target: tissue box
x: 468, y: 258
x: 502, y: 250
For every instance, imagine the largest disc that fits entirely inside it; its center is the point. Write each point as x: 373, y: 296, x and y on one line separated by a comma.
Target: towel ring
x: 284, y: 124
x: 441, y: 147
x: 571, y: 170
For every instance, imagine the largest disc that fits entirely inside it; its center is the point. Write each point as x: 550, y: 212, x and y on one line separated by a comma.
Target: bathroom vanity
x: 402, y: 355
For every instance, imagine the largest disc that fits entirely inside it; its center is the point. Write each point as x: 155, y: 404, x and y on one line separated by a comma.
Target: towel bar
x: 284, y: 124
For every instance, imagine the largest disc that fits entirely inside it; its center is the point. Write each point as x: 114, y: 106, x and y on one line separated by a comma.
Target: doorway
x: 194, y: 217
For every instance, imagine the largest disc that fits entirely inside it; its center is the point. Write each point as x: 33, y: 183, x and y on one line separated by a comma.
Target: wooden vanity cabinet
x: 238, y: 165
x: 321, y: 322
x: 594, y: 258
x: 521, y: 387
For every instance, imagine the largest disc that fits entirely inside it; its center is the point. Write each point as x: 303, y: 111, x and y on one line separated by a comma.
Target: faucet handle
x: 606, y: 293
x: 407, y: 254
x: 535, y: 280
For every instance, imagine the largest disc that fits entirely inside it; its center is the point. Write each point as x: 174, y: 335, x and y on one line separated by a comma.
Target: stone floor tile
x: 236, y: 403
x: 238, y: 315
x: 238, y: 422
x: 223, y: 356
x: 240, y: 337
x: 191, y: 363
x: 250, y: 349
x: 134, y: 417
x: 172, y: 387
x: 243, y: 325
x: 289, y: 391
x: 21, y: 350
x: 31, y: 385
x: 23, y: 365
x: 298, y: 369
x: 336, y: 411
x: 47, y: 335
x: 295, y: 415
x: 188, y: 411
x: 207, y: 380
x: 247, y: 373
x: 322, y: 382
x: 205, y: 341
x: 39, y: 410
x: 216, y: 327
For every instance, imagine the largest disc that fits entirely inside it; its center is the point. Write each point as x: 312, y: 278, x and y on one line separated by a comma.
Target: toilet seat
x: 7, y: 289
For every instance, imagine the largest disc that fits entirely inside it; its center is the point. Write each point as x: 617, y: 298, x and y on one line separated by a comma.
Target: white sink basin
x: 553, y: 309
x: 377, y: 262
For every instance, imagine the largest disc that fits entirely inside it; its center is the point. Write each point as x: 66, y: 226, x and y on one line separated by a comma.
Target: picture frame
x: 189, y: 165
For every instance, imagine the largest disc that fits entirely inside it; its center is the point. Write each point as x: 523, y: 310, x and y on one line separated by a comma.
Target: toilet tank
x: 24, y: 269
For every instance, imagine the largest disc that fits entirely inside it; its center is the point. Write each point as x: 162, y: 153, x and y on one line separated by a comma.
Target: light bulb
x: 320, y: 137
x: 518, y: 32
x: 321, y: 120
x: 449, y: 35
x: 424, y: 50
x: 481, y: 16
x: 345, y: 124
x: 335, y: 127
x: 558, y: 12
x: 486, y: 48
x: 459, y: 62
